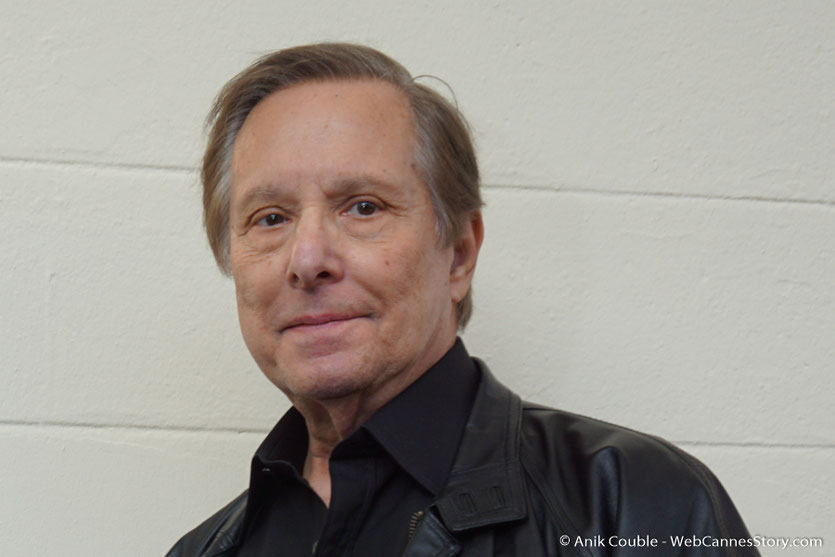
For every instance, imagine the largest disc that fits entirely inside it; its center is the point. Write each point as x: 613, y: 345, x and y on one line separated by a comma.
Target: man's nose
x: 313, y: 259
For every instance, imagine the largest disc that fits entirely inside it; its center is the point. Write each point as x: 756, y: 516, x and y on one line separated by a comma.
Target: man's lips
x: 319, y: 320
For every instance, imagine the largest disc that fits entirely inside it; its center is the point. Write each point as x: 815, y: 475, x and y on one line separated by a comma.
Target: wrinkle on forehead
x: 316, y: 101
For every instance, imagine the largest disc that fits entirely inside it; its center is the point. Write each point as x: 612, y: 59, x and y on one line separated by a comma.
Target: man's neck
x: 332, y: 420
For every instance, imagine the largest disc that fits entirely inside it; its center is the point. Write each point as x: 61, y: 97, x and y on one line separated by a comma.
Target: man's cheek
x: 254, y: 296
x: 257, y: 279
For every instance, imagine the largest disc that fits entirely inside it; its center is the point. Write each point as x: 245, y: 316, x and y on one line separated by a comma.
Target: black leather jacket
x: 530, y: 481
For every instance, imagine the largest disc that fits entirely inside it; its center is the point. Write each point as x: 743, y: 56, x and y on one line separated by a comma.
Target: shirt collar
x: 286, y: 443
x: 420, y: 428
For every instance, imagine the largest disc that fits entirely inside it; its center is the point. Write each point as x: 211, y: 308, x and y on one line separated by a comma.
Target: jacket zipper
x: 413, y: 523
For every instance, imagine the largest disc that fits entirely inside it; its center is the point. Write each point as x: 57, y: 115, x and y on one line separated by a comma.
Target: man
x: 343, y: 198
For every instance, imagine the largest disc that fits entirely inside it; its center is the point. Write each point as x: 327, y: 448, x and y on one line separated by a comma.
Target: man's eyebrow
x: 341, y: 186
x: 257, y: 195
x: 353, y: 183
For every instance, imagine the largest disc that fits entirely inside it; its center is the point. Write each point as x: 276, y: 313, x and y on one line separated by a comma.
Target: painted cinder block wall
x: 660, y: 187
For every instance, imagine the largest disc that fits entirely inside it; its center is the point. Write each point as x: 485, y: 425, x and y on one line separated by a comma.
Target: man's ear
x: 465, y: 256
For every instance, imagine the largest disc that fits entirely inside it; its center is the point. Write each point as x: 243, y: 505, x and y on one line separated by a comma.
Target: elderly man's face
x: 342, y: 286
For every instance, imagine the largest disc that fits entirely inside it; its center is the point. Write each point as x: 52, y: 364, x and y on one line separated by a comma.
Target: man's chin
x: 332, y: 392
x: 325, y: 378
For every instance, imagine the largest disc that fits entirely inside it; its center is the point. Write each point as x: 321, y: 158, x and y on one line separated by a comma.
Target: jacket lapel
x: 485, y: 486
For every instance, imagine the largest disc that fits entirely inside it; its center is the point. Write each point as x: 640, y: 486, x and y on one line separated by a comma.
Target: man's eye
x: 363, y: 208
x: 273, y: 219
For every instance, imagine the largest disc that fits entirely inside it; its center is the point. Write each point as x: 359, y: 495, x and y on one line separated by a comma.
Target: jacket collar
x: 485, y: 485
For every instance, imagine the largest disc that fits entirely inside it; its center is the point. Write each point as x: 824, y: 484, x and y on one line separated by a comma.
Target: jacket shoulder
x: 551, y: 433
x: 625, y: 481
x: 215, y: 535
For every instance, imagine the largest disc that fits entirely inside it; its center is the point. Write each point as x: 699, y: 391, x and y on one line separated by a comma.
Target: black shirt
x: 382, y: 476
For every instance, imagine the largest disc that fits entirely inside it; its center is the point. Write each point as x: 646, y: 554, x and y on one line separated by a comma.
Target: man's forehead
x: 371, y: 99
x: 339, y: 132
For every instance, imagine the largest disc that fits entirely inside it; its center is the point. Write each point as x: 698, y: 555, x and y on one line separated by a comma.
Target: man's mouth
x: 319, y: 321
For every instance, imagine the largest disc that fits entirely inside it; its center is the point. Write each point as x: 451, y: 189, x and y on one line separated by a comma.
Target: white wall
x: 660, y: 183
